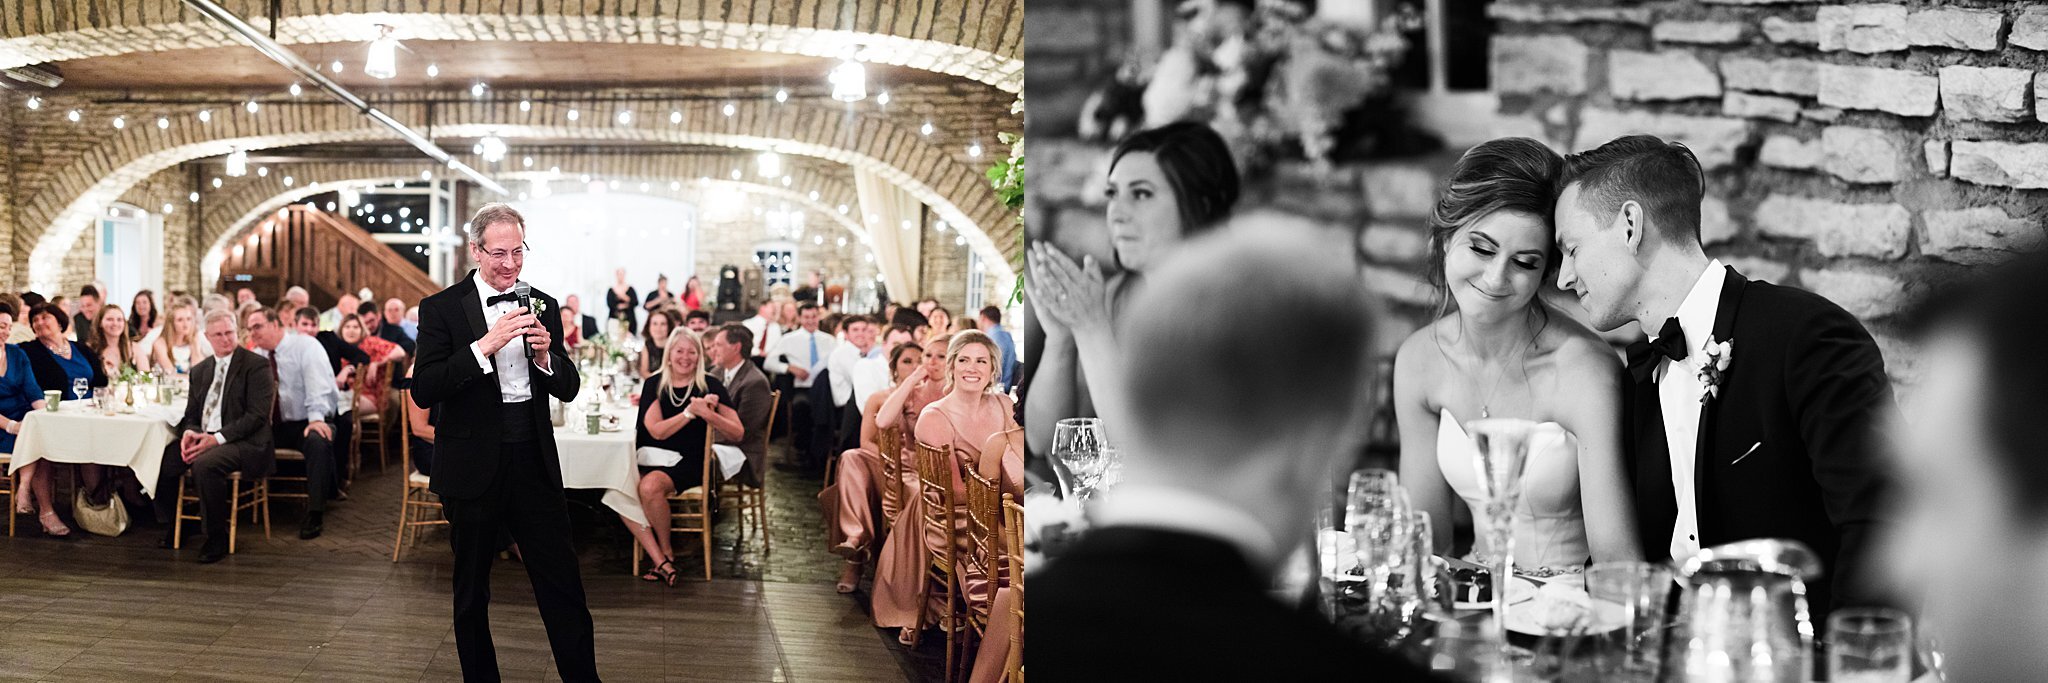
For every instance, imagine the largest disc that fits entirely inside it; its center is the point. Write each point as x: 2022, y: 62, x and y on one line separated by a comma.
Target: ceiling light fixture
x: 882, y: 99
x: 35, y: 102
x: 335, y: 67
x: 675, y: 116
x: 296, y: 90
x: 433, y: 71
x: 194, y: 197
x: 73, y: 115
x: 262, y: 171
x: 573, y: 114
x: 206, y: 116
x: 251, y: 106
x: 769, y: 164
x: 781, y: 96
x: 238, y: 165
x: 493, y: 149
x: 526, y: 105
x: 974, y: 150
x: 730, y: 110
x: 527, y: 162
x: 849, y: 81
x: 168, y: 208
x: 382, y: 62
x: 162, y: 123
x: 477, y: 90
x: 120, y: 122
x: 926, y: 129
x: 625, y: 117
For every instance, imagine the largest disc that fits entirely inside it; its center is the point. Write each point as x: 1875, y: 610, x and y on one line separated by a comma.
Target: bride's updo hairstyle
x: 1197, y: 165
x: 1508, y: 174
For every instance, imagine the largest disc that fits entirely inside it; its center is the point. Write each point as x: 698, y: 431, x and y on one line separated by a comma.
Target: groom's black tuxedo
x: 1789, y: 449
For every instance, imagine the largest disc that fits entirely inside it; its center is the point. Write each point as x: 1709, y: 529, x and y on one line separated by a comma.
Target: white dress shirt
x: 843, y: 362
x: 796, y: 344
x: 1678, y: 393
x: 305, y: 380
x: 515, y: 382
x: 870, y: 375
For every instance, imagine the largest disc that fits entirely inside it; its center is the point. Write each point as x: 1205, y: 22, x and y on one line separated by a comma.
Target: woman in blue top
x: 58, y: 362
x: 19, y: 394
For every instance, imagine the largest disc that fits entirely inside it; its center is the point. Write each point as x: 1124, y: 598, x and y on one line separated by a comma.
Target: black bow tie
x: 1642, y: 356
x: 506, y: 298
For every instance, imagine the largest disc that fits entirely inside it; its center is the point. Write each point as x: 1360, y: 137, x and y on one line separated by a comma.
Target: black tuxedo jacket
x: 244, y: 406
x: 466, y: 430
x: 1790, y: 447
x: 1136, y: 604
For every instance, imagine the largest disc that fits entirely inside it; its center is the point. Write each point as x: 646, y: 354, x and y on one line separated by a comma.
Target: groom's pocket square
x: 1747, y: 453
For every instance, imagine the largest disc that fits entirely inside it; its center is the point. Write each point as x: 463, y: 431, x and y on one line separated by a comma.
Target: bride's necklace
x: 1486, y: 403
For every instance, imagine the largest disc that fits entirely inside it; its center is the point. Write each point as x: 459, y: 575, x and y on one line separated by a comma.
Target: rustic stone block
x: 1399, y: 190
x: 1781, y: 30
x: 1532, y: 64
x: 1821, y: 114
x: 1784, y: 76
x: 2041, y: 95
x: 1937, y: 157
x: 1529, y: 13
x: 1864, y: 295
x: 1785, y: 151
x: 1865, y: 29
x: 1668, y: 75
x: 1978, y: 235
x: 1838, y: 229
x: 1961, y: 29
x: 1715, y: 227
x: 1973, y: 93
x: 1697, y: 32
x: 1906, y: 93
x: 2000, y: 164
x: 1713, y: 139
x: 1738, y: 103
x: 1861, y: 155
x: 2030, y: 29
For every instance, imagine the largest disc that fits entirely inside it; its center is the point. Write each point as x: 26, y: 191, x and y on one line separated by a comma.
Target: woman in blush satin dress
x: 853, y: 503
x: 1002, y: 461
x: 964, y: 419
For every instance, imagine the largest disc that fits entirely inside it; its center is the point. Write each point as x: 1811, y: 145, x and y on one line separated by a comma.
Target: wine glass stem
x: 1503, y: 576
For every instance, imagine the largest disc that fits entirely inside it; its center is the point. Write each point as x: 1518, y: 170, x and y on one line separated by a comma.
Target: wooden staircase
x: 323, y: 253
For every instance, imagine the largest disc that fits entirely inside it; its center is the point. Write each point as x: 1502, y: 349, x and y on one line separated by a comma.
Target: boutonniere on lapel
x: 1714, y: 360
x: 540, y: 306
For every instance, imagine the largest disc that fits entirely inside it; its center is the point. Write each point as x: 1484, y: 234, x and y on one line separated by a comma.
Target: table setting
x: 126, y: 424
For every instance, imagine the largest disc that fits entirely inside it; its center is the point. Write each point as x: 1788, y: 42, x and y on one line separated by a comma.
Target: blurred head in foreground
x: 1255, y: 414
x: 1973, y: 538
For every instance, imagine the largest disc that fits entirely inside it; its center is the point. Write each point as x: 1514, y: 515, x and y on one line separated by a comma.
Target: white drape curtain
x: 896, y: 250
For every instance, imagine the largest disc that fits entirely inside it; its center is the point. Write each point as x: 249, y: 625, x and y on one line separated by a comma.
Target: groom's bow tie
x: 506, y: 298
x: 1643, y: 356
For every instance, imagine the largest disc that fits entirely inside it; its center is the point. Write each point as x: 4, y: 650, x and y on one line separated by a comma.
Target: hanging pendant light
x: 849, y: 82
x: 383, y: 60
x: 238, y: 163
x: 493, y: 149
x: 769, y: 164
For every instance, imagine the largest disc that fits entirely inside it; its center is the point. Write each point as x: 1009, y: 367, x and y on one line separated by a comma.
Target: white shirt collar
x: 1188, y: 512
x: 1696, y: 313
x: 483, y: 289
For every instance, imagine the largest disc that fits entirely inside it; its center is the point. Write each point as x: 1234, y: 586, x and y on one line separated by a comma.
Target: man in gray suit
x: 226, y: 429
x: 727, y: 348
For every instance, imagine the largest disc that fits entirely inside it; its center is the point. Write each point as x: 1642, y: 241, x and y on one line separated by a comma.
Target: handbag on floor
x: 106, y: 520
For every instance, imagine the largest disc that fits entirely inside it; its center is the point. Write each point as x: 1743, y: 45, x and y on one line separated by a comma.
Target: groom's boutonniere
x: 1713, y: 364
x: 540, y: 306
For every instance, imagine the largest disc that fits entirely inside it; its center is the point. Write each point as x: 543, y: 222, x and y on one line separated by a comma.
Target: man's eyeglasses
x: 501, y: 255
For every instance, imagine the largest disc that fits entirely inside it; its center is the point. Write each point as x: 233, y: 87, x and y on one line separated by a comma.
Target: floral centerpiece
x: 1277, y: 82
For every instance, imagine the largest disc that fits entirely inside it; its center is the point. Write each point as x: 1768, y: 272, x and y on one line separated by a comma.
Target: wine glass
x: 1503, y: 451
x: 80, y: 388
x: 1076, y: 448
x: 1378, y: 519
x: 1870, y: 645
x: 1107, y: 473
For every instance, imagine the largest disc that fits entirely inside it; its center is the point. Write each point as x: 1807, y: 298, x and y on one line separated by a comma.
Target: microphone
x: 525, y: 293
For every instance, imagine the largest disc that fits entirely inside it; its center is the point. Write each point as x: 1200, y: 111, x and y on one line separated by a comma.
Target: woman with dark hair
x: 1166, y: 184
x: 693, y: 294
x: 655, y: 336
x: 853, y: 504
x: 144, y: 323
x: 660, y: 298
x: 1499, y: 349
x: 19, y: 394
x: 58, y: 362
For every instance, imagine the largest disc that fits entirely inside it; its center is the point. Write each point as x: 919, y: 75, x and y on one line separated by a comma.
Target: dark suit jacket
x: 1806, y: 387
x: 52, y: 377
x: 749, y: 388
x: 589, y: 326
x: 1135, y: 604
x: 446, y: 374
x: 244, y: 407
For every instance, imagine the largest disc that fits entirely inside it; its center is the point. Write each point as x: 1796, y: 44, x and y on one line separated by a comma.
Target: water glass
x: 1633, y: 648
x: 1469, y: 649
x: 1870, y: 645
x: 1376, y: 515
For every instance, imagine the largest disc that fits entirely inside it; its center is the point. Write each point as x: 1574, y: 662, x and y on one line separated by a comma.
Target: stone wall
x: 1864, y: 151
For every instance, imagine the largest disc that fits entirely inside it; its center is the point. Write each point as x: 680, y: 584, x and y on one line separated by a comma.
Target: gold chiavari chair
x: 936, y: 473
x: 690, y: 510
x: 7, y: 488
x: 751, y: 502
x: 984, y: 530
x: 1013, y: 542
x: 373, y: 429
x: 890, y: 442
x: 257, y: 502
x: 417, y: 504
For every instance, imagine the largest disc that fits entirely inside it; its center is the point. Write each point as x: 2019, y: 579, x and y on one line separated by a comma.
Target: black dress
x: 689, y: 440
x: 624, y: 308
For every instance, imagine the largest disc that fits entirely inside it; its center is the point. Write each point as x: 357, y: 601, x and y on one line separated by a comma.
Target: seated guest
x: 1972, y: 533
x: 1002, y: 462
x: 145, y: 324
x: 654, y: 336
x: 1222, y: 469
x: 751, y: 397
x: 853, y: 503
x: 88, y: 302
x: 676, y: 405
x: 108, y: 339
x: 697, y: 320
x: 394, y: 323
x: 305, y: 399
x: 226, y: 429
x: 180, y: 345
x: 373, y: 323
x: 961, y: 420
x: 19, y: 394
x: 377, y: 351
x: 345, y: 306
x: 858, y: 344
x: 941, y: 320
x: 59, y: 364
x: 569, y: 303
x: 571, y: 337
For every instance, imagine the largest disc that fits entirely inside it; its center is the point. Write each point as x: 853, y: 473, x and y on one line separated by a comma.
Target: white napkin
x: 649, y: 456
x: 730, y: 460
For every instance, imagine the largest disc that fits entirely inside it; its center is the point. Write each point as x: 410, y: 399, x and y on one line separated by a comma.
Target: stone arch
x: 952, y: 186
x: 980, y: 40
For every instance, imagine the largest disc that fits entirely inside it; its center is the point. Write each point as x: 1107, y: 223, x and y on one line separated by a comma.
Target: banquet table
x: 78, y: 434
x: 602, y: 461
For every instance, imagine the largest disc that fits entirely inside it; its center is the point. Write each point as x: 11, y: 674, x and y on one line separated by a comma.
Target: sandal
x: 53, y: 526
x: 657, y: 573
x: 849, y: 578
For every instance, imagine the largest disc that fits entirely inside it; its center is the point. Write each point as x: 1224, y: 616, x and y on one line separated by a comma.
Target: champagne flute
x: 1503, y: 452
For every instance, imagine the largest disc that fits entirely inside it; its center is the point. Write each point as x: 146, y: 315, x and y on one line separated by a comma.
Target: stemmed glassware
x: 1503, y: 452
x: 1378, y: 519
x: 1077, y: 444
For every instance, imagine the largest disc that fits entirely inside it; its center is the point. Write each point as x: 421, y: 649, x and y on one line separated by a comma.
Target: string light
x: 206, y: 116
x: 35, y: 102
x: 926, y: 129
x: 296, y: 90
x: 781, y: 96
x: 730, y: 110
x: 525, y: 105
x: 573, y: 114
x: 625, y: 117
x: 251, y: 106
x: 120, y: 122
x: 73, y: 115
x: 163, y: 123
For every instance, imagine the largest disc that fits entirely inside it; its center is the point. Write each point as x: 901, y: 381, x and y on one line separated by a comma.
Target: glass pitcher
x: 1743, y: 613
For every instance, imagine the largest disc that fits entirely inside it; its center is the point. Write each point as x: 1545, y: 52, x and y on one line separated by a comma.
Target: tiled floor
x: 337, y: 609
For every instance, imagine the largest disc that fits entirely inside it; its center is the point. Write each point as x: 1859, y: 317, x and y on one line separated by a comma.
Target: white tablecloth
x: 601, y: 461
x: 79, y: 434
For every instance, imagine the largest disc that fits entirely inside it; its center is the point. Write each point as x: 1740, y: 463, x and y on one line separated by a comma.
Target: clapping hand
x: 1072, y: 294
x: 704, y: 405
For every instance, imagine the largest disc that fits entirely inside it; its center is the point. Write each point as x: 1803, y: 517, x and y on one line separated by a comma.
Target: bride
x: 1502, y: 351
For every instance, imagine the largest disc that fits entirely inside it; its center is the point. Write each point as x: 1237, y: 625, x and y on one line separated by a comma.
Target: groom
x: 1753, y: 406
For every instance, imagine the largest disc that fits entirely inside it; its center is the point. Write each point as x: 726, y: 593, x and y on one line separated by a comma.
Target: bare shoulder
x: 1419, y: 363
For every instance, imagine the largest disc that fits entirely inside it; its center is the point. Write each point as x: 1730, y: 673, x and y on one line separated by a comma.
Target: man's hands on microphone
x: 519, y: 322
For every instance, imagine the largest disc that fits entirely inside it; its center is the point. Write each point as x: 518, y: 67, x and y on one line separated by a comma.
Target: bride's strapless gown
x: 1550, y: 523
